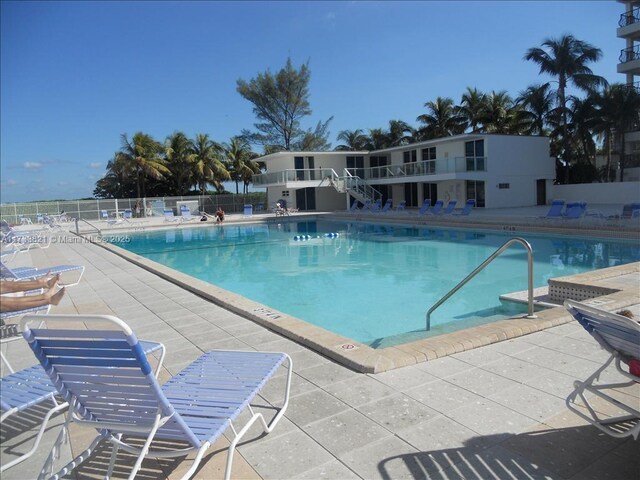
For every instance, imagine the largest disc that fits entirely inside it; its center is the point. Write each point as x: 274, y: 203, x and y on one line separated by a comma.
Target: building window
x: 285, y: 193
x: 410, y: 156
x: 377, y: 163
x: 475, y: 191
x: 355, y: 165
x: 474, y: 154
x: 503, y: 186
x: 429, y: 153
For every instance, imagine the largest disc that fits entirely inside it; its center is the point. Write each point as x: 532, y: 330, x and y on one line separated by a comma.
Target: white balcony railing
x: 398, y: 171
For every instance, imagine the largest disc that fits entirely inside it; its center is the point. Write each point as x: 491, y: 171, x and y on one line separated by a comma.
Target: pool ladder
x: 491, y: 258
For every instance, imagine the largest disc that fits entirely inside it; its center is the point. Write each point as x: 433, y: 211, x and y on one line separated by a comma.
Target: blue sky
x: 74, y: 76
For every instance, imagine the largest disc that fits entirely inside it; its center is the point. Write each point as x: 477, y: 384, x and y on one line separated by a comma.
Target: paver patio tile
x: 346, y: 431
x: 397, y: 412
x: 443, y: 396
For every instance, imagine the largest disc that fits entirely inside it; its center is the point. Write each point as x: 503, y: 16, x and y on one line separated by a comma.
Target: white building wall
x: 518, y: 162
x: 606, y: 193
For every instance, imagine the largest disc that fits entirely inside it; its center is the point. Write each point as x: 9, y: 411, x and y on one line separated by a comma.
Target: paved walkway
x: 492, y: 412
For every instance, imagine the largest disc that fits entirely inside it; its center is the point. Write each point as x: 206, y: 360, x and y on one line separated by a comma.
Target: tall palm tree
x: 353, y: 140
x: 567, y: 59
x: 238, y: 156
x: 619, y: 112
x: 142, y: 154
x: 178, y: 153
x: 536, y: 103
x: 206, y: 164
x: 471, y: 107
x: 441, y: 120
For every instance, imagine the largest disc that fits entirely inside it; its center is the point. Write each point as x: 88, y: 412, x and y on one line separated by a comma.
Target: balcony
x: 445, y: 168
x: 629, y: 24
x: 630, y: 60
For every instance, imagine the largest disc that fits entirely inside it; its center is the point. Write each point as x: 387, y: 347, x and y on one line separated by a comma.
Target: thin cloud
x: 32, y: 165
x: 10, y: 183
x: 95, y: 165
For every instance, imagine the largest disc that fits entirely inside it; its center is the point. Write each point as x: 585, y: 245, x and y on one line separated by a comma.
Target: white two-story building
x: 495, y: 170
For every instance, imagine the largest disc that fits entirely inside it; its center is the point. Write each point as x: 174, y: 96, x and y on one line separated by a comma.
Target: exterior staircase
x: 354, y: 186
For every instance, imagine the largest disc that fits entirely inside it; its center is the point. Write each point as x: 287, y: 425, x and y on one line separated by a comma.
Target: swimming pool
x: 372, y: 283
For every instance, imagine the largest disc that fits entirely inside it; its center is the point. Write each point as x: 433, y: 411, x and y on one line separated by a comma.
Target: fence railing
x: 16, y: 213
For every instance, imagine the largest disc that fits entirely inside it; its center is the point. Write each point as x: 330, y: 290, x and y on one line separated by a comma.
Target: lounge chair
x: 259, y: 207
x: 387, y: 206
x: 354, y: 206
x: 426, y: 204
x: 375, y: 206
x: 30, y: 273
x: 24, y: 238
x: 555, y: 211
x: 619, y: 336
x: 630, y: 210
x: 436, y: 209
x: 575, y: 210
x: 31, y: 386
x: 450, y: 207
x: 193, y: 408
x: 467, y: 209
x: 280, y: 208
x: 185, y: 214
x: 169, y: 216
x: 401, y: 206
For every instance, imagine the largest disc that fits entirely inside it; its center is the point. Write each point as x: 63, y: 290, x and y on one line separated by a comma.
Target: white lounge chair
x: 31, y: 273
x: 31, y: 386
x: 195, y: 407
x: 169, y: 216
x: 185, y: 214
x: 619, y: 336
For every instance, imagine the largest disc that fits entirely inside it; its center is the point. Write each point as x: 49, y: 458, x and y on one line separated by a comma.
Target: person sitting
x: 219, y: 215
x: 52, y: 296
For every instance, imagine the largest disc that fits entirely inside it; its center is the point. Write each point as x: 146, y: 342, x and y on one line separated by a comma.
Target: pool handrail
x: 477, y: 270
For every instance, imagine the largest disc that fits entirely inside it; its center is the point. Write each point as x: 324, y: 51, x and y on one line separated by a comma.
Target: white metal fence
x: 16, y: 213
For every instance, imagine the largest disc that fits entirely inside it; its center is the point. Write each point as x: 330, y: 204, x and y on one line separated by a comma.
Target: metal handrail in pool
x: 492, y: 257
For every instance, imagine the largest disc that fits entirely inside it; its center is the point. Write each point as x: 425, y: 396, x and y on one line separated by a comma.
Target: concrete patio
x: 496, y: 411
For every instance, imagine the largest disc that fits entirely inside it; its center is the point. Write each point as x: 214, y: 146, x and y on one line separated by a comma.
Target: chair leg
x: 56, y: 408
x: 599, y: 390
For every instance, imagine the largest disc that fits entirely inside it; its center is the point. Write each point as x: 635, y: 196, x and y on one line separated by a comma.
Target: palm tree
x: 142, y: 154
x: 536, y: 103
x: 398, y: 131
x: 178, y: 153
x: 471, y: 107
x: 566, y: 59
x: 441, y: 120
x: 238, y: 157
x: 619, y: 110
x: 354, y: 140
x: 497, y: 114
x: 377, y: 139
x: 117, y: 182
x: 206, y: 164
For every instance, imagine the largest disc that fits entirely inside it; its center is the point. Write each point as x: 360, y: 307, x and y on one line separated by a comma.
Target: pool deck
x: 496, y: 411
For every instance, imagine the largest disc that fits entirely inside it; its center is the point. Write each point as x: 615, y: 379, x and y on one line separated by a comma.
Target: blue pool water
x: 372, y: 283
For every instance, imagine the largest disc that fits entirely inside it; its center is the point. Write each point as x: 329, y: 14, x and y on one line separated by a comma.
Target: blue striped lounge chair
x: 401, y: 206
x: 194, y: 408
x: 19, y: 391
x: 426, y: 204
x: 555, y: 211
x: 620, y: 337
x: 450, y: 207
x: 436, y: 209
x: 375, y: 206
x: 354, y: 206
x: 387, y: 206
x: 467, y: 208
x: 31, y: 273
